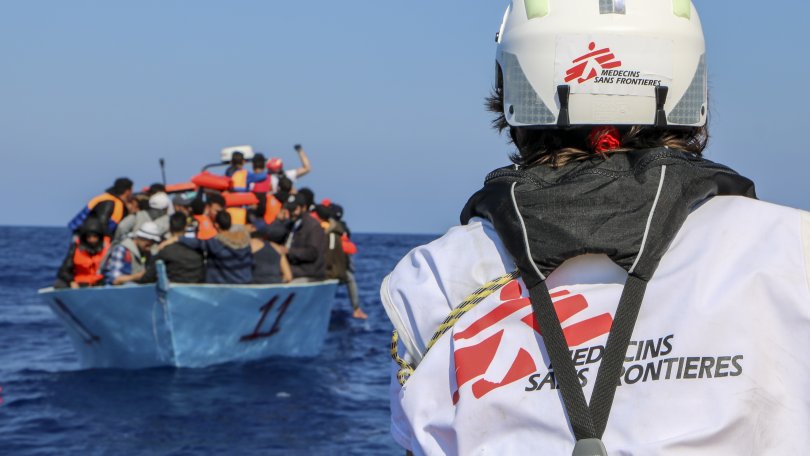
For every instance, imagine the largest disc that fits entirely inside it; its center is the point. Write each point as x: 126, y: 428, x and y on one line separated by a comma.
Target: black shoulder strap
x: 588, y: 421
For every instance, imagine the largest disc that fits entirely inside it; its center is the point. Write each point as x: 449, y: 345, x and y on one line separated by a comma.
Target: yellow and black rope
x: 405, y: 369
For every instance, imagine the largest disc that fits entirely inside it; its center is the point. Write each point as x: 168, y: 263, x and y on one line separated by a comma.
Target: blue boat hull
x: 135, y: 327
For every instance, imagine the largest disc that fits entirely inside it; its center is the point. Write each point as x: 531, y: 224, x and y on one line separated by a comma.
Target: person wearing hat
x: 306, y: 245
x: 158, y: 212
x: 127, y: 259
x: 109, y: 207
x: 611, y: 291
x: 82, y: 265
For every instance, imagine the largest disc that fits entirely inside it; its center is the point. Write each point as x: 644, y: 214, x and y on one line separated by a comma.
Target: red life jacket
x: 349, y: 247
x: 86, y: 267
x: 261, y: 187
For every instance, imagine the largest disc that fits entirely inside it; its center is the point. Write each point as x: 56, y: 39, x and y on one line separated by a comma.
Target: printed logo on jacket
x: 493, y: 351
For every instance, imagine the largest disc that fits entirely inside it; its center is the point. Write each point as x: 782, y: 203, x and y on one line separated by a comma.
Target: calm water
x: 334, y: 404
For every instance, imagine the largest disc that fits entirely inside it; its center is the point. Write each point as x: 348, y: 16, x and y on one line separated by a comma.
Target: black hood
x: 92, y: 226
x: 628, y: 207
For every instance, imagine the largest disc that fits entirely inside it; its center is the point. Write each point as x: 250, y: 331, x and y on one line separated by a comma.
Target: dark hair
x: 198, y: 206
x: 308, y: 195
x: 223, y: 219
x: 558, y: 146
x: 143, y: 201
x: 237, y: 158
x: 215, y: 198
x: 156, y: 188
x: 259, y: 162
x: 120, y: 186
x: 177, y: 223
x: 285, y: 184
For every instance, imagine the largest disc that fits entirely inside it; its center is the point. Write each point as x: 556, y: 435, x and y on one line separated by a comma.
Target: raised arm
x: 305, y: 166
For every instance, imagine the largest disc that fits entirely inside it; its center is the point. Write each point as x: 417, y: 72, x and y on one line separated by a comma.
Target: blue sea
x: 336, y: 403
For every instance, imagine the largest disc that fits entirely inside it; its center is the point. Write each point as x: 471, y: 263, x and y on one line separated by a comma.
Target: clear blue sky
x: 385, y: 96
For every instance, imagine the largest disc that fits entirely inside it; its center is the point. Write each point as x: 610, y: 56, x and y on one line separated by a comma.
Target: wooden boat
x: 163, y: 324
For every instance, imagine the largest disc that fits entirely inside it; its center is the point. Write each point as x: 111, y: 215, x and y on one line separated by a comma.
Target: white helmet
x: 602, y: 62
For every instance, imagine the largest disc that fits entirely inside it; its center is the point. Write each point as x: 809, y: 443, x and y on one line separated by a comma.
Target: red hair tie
x: 604, y: 139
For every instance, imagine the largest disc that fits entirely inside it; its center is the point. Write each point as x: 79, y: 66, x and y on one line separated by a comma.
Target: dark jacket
x: 266, y: 265
x: 228, y: 257
x: 307, y: 249
x: 183, y: 265
x: 337, y: 262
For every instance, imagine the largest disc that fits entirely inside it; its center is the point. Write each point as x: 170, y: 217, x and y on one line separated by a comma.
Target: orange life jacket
x: 237, y: 199
x: 238, y: 215
x: 272, y: 210
x: 239, y: 181
x: 205, y: 229
x: 87, y: 267
x: 212, y: 181
x: 118, y: 210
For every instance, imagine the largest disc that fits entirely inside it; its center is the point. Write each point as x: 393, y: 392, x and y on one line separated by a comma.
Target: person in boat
x: 278, y: 174
x: 82, y: 265
x: 229, y: 259
x: 158, y: 212
x: 126, y: 260
x: 182, y: 205
x: 183, y: 264
x: 241, y: 178
x: 270, y: 264
x: 155, y: 188
x: 204, y: 209
x: 612, y: 282
x: 338, y: 251
x: 237, y: 163
x: 109, y: 207
x: 306, y: 245
x: 260, y: 188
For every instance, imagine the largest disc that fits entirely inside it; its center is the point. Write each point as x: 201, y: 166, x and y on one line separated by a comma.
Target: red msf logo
x: 474, y: 361
x: 589, y: 65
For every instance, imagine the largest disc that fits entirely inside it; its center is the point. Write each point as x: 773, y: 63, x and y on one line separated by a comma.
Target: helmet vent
x: 690, y: 108
x: 525, y: 106
x: 611, y: 7
x: 536, y: 8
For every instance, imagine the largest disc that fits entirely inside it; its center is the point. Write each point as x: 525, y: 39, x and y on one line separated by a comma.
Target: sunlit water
x: 336, y: 403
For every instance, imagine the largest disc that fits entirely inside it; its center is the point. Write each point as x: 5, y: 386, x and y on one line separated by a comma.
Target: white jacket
x: 719, y: 362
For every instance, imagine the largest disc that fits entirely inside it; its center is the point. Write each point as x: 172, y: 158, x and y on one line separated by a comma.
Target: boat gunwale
x: 49, y: 290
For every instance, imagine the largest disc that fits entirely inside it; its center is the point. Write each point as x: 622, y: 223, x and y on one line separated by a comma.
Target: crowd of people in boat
x: 248, y: 226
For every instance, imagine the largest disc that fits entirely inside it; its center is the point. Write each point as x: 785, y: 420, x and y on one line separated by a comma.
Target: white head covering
x: 149, y: 231
x: 160, y: 201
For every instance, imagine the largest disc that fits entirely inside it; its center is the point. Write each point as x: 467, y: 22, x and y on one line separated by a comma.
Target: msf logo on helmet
x: 507, y: 359
x: 591, y: 64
